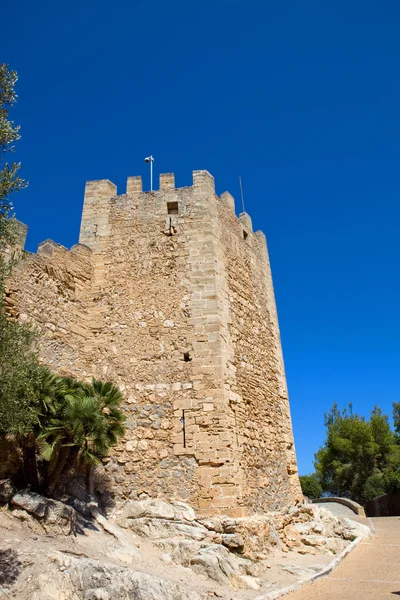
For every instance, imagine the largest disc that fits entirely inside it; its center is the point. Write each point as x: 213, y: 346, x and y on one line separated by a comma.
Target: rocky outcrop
x: 225, y: 549
x: 90, y: 580
x: 157, y: 519
x: 184, y: 557
x: 310, y: 529
x: 50, y: 513
x: 213, y: 560
x: 301, y: 528
x: 254, y: 536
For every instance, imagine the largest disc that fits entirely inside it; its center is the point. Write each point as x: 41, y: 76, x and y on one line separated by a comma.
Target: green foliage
x: 310, y: 486
x: 20, y: 378
x: 63, y: 419
x: 392, y: 481
x: 348, y: 457
x: 374, y: 486
x: 9, y: 133
x: 80, y: 424
x: 383, y: 436
x: 9, y: 179
x: 359, y: 458
x: 396, y: 421
x: 84, y: 416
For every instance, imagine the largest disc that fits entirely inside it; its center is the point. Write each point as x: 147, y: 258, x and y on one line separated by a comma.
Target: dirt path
x: 370, y: 572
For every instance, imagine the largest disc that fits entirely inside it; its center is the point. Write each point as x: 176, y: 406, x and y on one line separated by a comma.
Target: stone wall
x: 170, y: 295
x: 52, y: 290
x: 258, y: 395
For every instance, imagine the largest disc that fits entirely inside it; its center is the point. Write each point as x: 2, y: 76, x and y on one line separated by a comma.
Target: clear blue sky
x: 301, y: 99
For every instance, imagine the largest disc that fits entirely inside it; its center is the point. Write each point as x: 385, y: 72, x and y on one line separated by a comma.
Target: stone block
x: 167, y: 181
x: 245, y: 219
x: 134, y: 184
x: 229, y: 200
x: 203, y: 180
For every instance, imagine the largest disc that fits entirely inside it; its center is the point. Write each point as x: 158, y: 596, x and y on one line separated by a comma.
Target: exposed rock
x: 250, y: 582
x: 113, y: 568
x: 90, y: 580
x: 127, y: 554
x: 48, y: 512
x: 180, y: 551
x: 313, y: 540
x: 81, y: 506
x: 10, y: 567
x: 184, y: 511
x: 21, y: 515
x: 333, y: 545
x: 229, y: 524
x: 311, y: 528
x: 307, y: 529
x: 160, y: 529
x: 318, y: 528
x: 7, y: 491
x: 356, y: 529
x: 213, y: 560
x: 255, y: 536
x: 156, y: 509
x: 213, y: 524
x: 157, y: 519
x: 259, y: 535
x: 220, y: 524
x: 217, y: 562
x: 233, y: 541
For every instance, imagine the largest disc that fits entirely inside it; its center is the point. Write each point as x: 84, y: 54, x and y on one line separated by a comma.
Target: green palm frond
x: 108, y: 393
x: 78, y: 414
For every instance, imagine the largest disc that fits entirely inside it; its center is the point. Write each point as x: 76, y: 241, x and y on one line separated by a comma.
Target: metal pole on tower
x: 241, y: 192
x: 150, y: 159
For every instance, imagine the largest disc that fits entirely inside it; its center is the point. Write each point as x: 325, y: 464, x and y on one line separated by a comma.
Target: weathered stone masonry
x: 170, y: 295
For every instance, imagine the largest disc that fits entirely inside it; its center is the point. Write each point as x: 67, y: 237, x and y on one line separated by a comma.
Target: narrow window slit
x: 183, y: 428
x: 245, y: 235
x: 187, y: 357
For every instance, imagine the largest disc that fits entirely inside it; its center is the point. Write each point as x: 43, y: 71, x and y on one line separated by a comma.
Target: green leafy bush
x: 360, y: 458
x: 310, y: 486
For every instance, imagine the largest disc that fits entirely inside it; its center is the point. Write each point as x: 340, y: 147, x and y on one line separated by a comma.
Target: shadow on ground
x: 10, y: 566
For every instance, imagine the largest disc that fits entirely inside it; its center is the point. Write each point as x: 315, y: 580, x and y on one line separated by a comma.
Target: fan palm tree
x: 110, y: 398
x: 88, y: 422
x: 48, y: 388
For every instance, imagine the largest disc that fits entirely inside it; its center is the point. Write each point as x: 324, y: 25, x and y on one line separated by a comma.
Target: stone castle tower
x: 169, y: 294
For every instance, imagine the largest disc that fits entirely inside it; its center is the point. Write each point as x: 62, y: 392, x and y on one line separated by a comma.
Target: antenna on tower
x: 241, y: 192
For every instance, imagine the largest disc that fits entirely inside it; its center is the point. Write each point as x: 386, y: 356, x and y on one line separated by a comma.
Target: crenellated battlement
x: 161, y: 203
x: 134, y: 184
x: 167, y: 181
x: 99, y: 195
x: 104, y: 188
